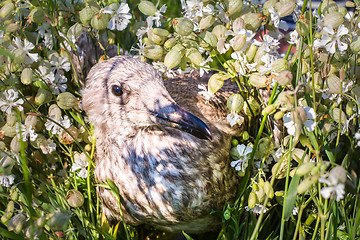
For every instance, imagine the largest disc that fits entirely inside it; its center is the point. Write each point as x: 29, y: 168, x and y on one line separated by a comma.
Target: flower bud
x: 153, y: 52
x: 355, y: 45
x: 285, y: 8
x: 16, y: 223
x: 7, y: 9
x: 216, y: 82
x: 158, y: 35
x: 239, y: 42
x: 99, y: 21
x: 173, y: 58
x: 184, y: 26
x: 307, y: 183
x: 279, y: 115
x: 219, y: 31
x: 350, y: 108
x: 42, y: 96
x: 257, y: 80
x: 270, y: 109
x: 147, y: 8
x: 66, y: 100
x: 194, y: 56
x: 302, y: 28
x: 75, y: 198
x: 280, y: 65
x: 245, y: 135
x: 233, y: 6
x: 335, y: 19
x: 234, y: 142
x: 333, y: 83
x: 211, y: 39
x: 238, y: 24
x: 252, y: 200
x: 338, y: 115
x: 26, y: 76
x: 284, y: 78
x: 207, y: 22
x: 252, y: 21
x: 86, y: 15
x: 37, y: 16
x: 251, y: 52
x: 269, y: 191
x: 170, y: 43
x: 252, y: 107
x: 12, y: 27
x: 304, y: 169
x: 350, y: 4
x: 235, y: 103
x: 55, y: 111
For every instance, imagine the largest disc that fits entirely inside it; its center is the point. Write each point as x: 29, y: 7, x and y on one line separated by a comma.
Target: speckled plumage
x: 166, y: 177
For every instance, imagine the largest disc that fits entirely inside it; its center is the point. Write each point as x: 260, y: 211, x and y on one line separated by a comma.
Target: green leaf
x: 187, y: 236
x: 291, y: 197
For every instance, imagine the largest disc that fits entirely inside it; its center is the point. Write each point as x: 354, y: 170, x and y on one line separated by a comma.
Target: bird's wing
x: 185, y: 91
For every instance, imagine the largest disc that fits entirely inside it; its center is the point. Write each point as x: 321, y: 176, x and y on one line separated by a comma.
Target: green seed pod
x: 251, y: 52
x: 75, y: 198
x: 338, y: 115
x: 304, y: 169
x: 8, y: 131
x: 233, y: 6
x: 65, y: 138
x: 301, y: 114
x: 147, y: 8
x: 42, y: 96
x: 335, y: 19
x: 54, y: 111
x: 19, y: 55
x: 7, y: 9
x: 171, y: 42
x: 194, y: 56
x: 269, y: 191
x: 307, y: 183
x: 270, y: 109
x: 66, y: 100
x: 258, y: 55
x: 37, y: 16
x: 153, y: 51
x: 279, y: 115
x: 173, y: 58
x: 285, y: 8
x: 86, y: 15
x: 156, y: 36
x: 59, y: 221
x: 11, y: 118
x: 33, y: 121
x: 252, y: 21
x: 40, y: 222
x: 257, y: 80
x: 350, y: 108
x: 219, y: 31
x: 280, y: 65
x: 40, y: 140
x: 216, y: 81
x: 184, y: 26
x: 260, y: 194
x: 12, y: 27
x: 26, y: 76
x: 16, y: 223
x: 252, y: 107
x: 252, y: 200
x: 235, y: 103
x: 245, y: 135
x: 333, y: 83
x: 329, y: 7
x: 284, y: 78
x: 99, y: 21
x: 267, y: 5
x: 302, y: 28
x: 211, y: 39
x: 355, y: 45
x: 207, y: 22
x: 239, y: 42
x: 234, y: 142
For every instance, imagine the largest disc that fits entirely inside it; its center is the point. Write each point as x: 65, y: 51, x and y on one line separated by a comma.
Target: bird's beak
x: 176, y: 117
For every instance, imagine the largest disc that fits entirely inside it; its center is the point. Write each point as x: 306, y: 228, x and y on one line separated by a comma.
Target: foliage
x: 299, y: 106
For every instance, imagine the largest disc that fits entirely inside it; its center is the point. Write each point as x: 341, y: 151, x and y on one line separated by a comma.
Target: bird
x: 164, y: 146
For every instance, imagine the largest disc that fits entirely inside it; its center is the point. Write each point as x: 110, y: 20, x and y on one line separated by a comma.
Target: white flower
x: 10, y: 100
x: 27, y: 47
x: 275, y: 18
x: 56, y: 82
x: 7, y: 161
x: 309, y: 123
x: 234, y: 118
x: 55, y: 128
x: 60, y: 63
x: 26, y: 132
x: 48, y: 146
x: 258, y: 209
x: 268, y: 60
x: 80, y: 162
x: 222, y: 46
x: 269, y: 44
x: 336, y: 183
x: 329, y: 39
x: 205, y: 92
x: 196, y: 8
x: 7, y: 180
x: 244, y: 154
x: 121, y: 18
x: 294, y: 38
x: 158, y: 15
x: 245, y: 66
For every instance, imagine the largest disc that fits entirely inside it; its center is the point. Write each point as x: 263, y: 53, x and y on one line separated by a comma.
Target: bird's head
x: 123, y: 94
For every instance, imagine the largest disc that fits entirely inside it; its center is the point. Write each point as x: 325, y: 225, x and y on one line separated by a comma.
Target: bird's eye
x: 117, y: 90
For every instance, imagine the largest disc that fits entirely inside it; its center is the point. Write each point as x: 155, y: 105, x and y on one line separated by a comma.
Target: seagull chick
x: 172, y: 168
